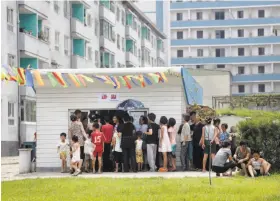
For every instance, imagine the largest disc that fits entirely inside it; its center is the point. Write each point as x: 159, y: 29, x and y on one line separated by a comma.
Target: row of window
x: 220, y: 15
x: 220, y: 34
x: 261, y: 88
x: 241, y: 70
x: 220, y: 52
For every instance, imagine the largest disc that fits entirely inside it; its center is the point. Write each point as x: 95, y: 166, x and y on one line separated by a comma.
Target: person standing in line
x: 76, y: 128
x: 216, y: 123
x: 185, y: 139
x: 196, y: 127
x: 164, y: 143
x: 143, y: 122
x: 152, y: 141
x: 78, y: 114
x: 224, y: 135
x: 107, y: 130
x: 172, y: 138
x: 209, y: 134
x: 117, y: 151
x: 98, y: 140
x: 127, y: 134
x: 138, y: 150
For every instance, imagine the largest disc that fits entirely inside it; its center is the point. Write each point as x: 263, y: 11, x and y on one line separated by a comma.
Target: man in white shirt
x: 185, y: 142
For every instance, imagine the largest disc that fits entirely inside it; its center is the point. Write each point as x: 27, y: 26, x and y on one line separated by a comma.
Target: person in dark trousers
x: 196, y: 127
x: 107, y: 130
x: 128, y: 137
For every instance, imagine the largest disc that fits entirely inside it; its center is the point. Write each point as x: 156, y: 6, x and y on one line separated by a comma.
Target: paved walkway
x: 10, y: 171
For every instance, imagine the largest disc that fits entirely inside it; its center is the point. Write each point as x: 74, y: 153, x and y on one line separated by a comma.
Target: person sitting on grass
x: 220, y: 164
x: 75, y: 155
x: 62, y: 149
x: 98, y: 140
x: 257, y: 166
x: 242, y: 156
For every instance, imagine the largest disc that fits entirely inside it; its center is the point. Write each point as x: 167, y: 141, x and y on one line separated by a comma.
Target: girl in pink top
x: 172, y: 138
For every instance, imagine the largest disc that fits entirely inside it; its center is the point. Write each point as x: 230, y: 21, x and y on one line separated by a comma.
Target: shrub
x: 263, y: 134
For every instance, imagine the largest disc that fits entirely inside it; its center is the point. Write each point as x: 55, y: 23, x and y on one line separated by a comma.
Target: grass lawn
x: 157, y: 189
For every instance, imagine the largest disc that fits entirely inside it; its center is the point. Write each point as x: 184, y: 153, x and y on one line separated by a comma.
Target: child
x: 98, y: 140
x: 224, y: 135
x: 62, y: 149
x: 117, y: 150
x: 164, y: 143
x: 75, y: 155
x: 138, y: 150
x: 172, y: 138
x: 89, y: 148
x: 258, y: 166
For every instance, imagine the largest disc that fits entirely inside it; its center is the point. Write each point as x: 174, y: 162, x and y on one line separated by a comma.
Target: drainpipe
x: 71, y: 39
x: 18, y: 62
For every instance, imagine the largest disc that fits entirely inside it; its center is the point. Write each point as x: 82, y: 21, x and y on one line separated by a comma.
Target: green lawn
x: 158, y: 189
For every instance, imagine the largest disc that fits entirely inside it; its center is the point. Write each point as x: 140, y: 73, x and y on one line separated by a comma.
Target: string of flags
x: 28, y: 77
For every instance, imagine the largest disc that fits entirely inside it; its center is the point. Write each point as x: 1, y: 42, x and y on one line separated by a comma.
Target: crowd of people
x: 119, y: 145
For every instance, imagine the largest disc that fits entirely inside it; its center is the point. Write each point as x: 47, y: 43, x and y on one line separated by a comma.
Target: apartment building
x: 240, y: 36
x: 68, y: 34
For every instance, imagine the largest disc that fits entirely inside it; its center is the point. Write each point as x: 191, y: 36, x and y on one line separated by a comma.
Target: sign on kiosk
x: 108, y: 97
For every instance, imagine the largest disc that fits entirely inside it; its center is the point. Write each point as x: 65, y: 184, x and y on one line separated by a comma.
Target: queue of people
x: 123, y: 147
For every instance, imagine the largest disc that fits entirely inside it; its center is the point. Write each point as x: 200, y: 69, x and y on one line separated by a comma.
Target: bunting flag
x: 88, y: 79
x: 52, y: 79
x: 126, y: 79
x: 74, y: 80
x: 113, y: 81
x: 154, y: 77
x: 147, y: 80
x: 102, y: 79
x: 38, y: 77
x: 160, y: 78
x: 117, y: 82
x: 163, y: 76
x: 141, y: 79
x: 21, y: 77
x: 65, y: 79
x: 122, y: 81
x: 29, y: 78
x: 59, y: 79
x: 80, y: 78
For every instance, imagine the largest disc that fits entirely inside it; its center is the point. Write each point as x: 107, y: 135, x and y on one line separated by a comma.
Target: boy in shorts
x: 62, y: 149
x: 97, y: 139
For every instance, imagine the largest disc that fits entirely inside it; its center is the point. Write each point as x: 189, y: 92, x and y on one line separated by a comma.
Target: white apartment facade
x: 240, y: 36
x: 68, y: 34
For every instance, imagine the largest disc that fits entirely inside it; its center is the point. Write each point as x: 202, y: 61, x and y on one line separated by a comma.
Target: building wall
x: 53, y: 105
x: 251, y: 24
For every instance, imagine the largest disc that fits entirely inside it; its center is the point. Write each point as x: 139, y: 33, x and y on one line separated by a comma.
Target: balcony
x: 79, y: 30
x: 131, y: 59
x: 33, y: 46
x: 107, y: 44
x: 41, y: 8
x: 131, y: 33
x: 107, y: 14
x: 81, y: 62
x: 161, y: 54
x: 147, y: 44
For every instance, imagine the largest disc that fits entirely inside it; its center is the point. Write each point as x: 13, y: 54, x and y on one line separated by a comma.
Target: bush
x: 249, y: 113
x: 263, y: 134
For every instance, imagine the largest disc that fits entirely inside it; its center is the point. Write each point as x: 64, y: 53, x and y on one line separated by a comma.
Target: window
x: 10, y: 19
x: 241, y: 88
x: 106, y: 30
x: 57, y: 40
x: 89, y: 53
x: 96, y: 27
x: 261, y: 13
x: 96, y: 58
x: 180, y: 53
x: 28, y: 110
x: 179, y: 16
x: 199, y: 34
x: 219, y: 15
x: 89, y: 23
x: 241, y: 51
x: 240, y: 33
x: 123, y: 45
x: 260, y: 32
x: 118, y: 65
x: 200, y: 52
x: 11, y: 114
x: 66, y: 45
x: 261, y: 87
x: 139, y: 31
x: 56, y: 6
x: 47, y: 33
x: 65, y: 8
x: 199, y: 66
x: 261, y: 51
x: 240, y: 14
x: 261, y: 69
x: 220, y: 33
x: 199, y: 16
x: 118, y: 14
x: 11, y: 60
x: 179, y: 35
x: 123, y: 18
x: 118, y: 41
x: 220, y: 66
x: 220, y: 52
x: 241, y: 70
